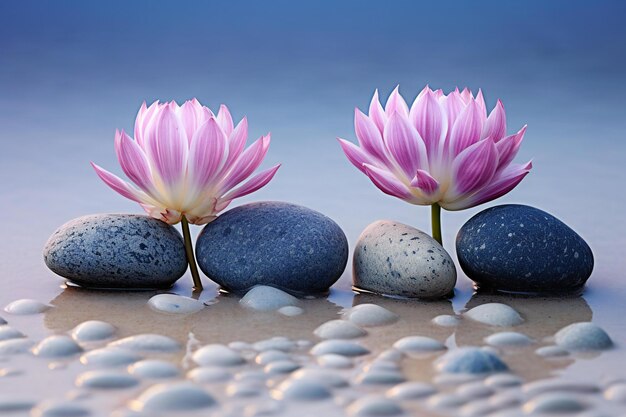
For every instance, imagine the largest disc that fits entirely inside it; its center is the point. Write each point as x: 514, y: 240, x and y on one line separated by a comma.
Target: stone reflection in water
x: 223, y: 320
x: 543, y: 317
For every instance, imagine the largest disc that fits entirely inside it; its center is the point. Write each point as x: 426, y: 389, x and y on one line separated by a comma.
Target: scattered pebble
x: 476, y: 389
x: 60, y: 409
x: 616, y: 393
x: 495, y: 314
x: 209, y: 375
x: 303, y: 389
x: 56, y: 346
x: 15, y: 346
x: 251, y: 375
x: 240, y: 346
x: 339, y: 329
x: 12, y: 403
x: 418, y: 344
x: 275, y: 343
x: 470, y: 360
x: 380, y: 377
x: 374, y: 406
x: 335, y: 361
x: 554, y: 402
x: 339, y: 347
x: 265, y: 298
x: 511, y: 339
x: 180, y: 396
x: 446, y: 400
x: 148, y: 343
x: 551, y: 352
x: 392, y: 355
x: 26, y: 307
x: 93, y: 330
x: 550, y: 385
x: 503, y: 381
x: 245, y: 389
x: 175, y: 304
x: 218, y: 355
x: 446, y: 320
x: 7, y: 332
x: 270, y: 356
x: 281, y: 367
x: 109, y: 357
x: 583, y: 336
x: 411, y: 391
x: 370, y: 315
x: 106, y: 380
x: 324, y: 377
x: 290, y: 311
x: 154, y: 369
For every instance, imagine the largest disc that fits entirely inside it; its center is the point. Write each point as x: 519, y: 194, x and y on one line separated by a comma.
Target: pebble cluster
x: 335, y: 372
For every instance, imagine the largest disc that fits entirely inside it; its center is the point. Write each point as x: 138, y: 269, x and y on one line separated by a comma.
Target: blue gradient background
x: 71, y: 72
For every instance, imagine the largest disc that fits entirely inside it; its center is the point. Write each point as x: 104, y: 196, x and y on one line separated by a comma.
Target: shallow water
x: 61, y: 102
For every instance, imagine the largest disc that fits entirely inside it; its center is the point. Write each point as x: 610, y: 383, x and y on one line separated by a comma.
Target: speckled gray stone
x: 273, y: 243
x: 470, y: 360
x: 392, y: 258
x: 117, y: 251
x: 523, y: 249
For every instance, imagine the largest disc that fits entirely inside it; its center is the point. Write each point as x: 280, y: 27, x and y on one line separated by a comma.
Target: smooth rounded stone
x: 275, y: 343
x: 411, y: 391
x: 523, y: 249
x: 209, y: 375
x: 339, y: 347
x: 93, y: 330
x: 60, y: 409
x: 302, y: 389
x: 374, y: 406
x: 616, y: 393
x: 446, y: 320
x: 244, y: 389
x: 26, y: 307
x: 476, y: 389
x: 550, y: 385
x: 554, y: 402
x: 334, y: 361
x: 240, y: 346
x: 270, y: 356
x: 281, y: 367
x: 106, y: 380
x: 583, y: 336
x: 265, y: 298
x: 251, y: 375
x: 370, y: 315
x: 147, y: 343
x: 339, y: 329
x: 325, y: 377
x: 7, y: 332
x: 470, y: 360
x: 392, y: 258
x: 392, y: 355
x: 446, y: 400
x: 109, y: 357
x: 56, y: 346
x: 290, y: 311
x: 503, y: 381
x: 418, y: 344
x: 273, y: 243
x: 12, y: 403
x: 2, y: 321
x: 551, y: 352
x: 504, y: 339
x: 218, y: 355
x: 117, y: 251
x: 154, y: 369
x: 180, y: 396
x: 175, y: 304
x: 495, y: 314
x: 380, y: 377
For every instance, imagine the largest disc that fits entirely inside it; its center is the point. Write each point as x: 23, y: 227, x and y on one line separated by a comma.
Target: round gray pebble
x: 93, y: 330
x: 218, y: 355
x: 181, y: 396
x: 510, y: 339
x: 370, y: 315
x: 154, y: 369
x: 303, y: 389
x: 339, y: 347
x: 339, y: 329
x: 56, y: 346
x: 418, y: 344
x: 583, y: 336
x: 147, y: 343
x: 470, y: 360
x: 374, y: 406
x: 555, y: 402
x: 106, y: 380
x: 495, y: 314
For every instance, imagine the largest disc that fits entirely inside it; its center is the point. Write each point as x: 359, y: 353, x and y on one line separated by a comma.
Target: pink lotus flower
x: 186, y: 164
x: 443, y: 151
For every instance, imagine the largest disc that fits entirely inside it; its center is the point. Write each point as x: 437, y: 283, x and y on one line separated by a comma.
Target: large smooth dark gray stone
x: 273, y: 243
x: 117, y: 251
x: 523, y: 249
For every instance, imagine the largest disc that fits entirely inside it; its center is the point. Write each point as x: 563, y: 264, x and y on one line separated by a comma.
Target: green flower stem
x: 191, y: 259
x: 435, y: 216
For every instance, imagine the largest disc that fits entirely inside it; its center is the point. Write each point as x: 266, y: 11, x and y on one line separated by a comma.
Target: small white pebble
x: 290, y: 311
x: 339, y: 329
x: 93, y: 330
x: 175, y: 304
x: 26, y: 307
x: 370, y: 315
